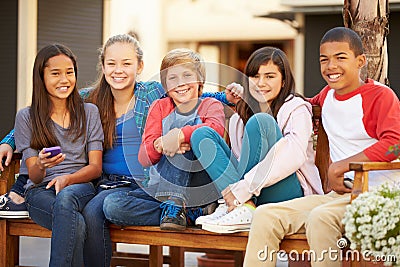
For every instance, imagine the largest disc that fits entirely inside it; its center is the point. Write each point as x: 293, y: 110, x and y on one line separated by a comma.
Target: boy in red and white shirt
x: 361, y: 119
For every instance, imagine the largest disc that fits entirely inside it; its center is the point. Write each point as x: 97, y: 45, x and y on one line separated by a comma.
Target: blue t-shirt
x: 122, y: 159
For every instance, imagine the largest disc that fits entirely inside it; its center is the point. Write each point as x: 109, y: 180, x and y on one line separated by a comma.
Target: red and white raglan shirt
x: 367, y: 119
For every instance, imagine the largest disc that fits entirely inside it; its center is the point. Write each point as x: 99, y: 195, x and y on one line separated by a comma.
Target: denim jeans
x: 261, y: 132
x: 134, y: 207
x: 18, y: 186
x: 97, y: 249
x: 62, y: 213
x: 175, y: 175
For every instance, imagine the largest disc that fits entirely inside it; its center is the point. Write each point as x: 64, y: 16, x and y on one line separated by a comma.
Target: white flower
x: 372, y: 223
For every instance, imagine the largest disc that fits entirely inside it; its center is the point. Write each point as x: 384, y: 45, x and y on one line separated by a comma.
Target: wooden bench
x: 192, y: 239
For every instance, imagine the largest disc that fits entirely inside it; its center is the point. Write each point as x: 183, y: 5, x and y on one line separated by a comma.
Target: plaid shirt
x: 9, y: 139
x: 145, y: 92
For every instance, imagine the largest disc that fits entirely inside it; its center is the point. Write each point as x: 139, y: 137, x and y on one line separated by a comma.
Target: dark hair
x: 249, y: 105
x: 40, y: 110
x: 342, y: 34
x: 102, y: 95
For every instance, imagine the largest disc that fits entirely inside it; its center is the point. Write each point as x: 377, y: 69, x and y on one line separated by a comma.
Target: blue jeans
x: 98, y: 250
x: 18, y: 186
x: 261, y: 132
x: 134, y: 207
x: 62, y: 213
x: 175, y: 175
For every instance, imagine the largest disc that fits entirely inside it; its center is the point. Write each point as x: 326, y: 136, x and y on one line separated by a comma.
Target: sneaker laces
x: 237, y: 212
x: 220, y: 211
x: 3, y: 200
x: 192, y: 214
x: 169, y: 209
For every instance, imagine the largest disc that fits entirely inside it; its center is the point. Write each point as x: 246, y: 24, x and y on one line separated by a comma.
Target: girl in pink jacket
x: 271, y: 157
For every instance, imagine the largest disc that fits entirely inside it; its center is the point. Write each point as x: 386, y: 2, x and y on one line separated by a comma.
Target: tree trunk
x: 369, y: 18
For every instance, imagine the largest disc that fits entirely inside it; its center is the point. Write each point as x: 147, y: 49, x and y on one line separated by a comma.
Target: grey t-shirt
x: 76, y: 152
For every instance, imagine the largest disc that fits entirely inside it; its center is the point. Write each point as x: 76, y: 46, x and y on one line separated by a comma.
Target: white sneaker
x: 238, y: 220
x: 220, y: 211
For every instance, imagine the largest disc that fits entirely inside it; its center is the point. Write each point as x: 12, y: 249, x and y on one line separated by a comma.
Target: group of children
x: 133, y: 131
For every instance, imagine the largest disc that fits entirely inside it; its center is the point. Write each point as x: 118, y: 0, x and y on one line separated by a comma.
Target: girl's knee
x: 112, y: 203
x: 261, y: 118
x: 261, y: 122
x: 200, y: 133
x: 64, y: 198
x: 81, y: 228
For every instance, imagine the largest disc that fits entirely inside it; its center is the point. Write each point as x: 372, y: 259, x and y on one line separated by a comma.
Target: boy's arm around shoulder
x: 212, y: 114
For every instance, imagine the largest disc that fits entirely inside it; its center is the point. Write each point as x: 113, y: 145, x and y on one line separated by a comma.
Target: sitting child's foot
x: 9, y: 209
x: 237, y: 220
x: 192, y: 214
x: 173, y: 215
x: 220, y: 211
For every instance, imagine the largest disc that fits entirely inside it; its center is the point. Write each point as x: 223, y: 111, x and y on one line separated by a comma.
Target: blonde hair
x: 184, y: 56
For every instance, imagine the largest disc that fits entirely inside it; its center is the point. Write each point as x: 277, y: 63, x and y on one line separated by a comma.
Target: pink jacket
x: 292, y: 153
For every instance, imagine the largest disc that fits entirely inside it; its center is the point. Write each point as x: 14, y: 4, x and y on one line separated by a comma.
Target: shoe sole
x: 208, y: 220
x: 14, y: 216
x: 14, y: 213
x: 225, y: 229
x: 172, y: 227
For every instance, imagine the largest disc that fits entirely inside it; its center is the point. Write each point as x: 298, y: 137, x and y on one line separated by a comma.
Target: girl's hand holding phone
x: 44, y: 160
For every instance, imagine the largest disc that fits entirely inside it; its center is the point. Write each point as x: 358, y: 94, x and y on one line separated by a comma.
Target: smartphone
x: 54, y: 151
x: 115, y: 184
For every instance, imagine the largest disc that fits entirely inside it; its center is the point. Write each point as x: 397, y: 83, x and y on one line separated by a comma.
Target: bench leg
x: 156, y: 256
x: 239, y: 258
x: 9, y: 249
x: 177, y: 255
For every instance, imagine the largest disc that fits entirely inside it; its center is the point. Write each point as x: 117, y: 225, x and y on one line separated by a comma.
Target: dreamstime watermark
x: 330, y: 254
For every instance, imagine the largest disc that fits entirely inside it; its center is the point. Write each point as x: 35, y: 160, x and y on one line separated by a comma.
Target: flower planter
x: 216, y: 260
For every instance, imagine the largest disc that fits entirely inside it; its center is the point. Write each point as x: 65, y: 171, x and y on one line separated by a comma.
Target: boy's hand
x: 159, y: 148
x: 171, y: 142
x: 336, y: 178
x: 234, y: 92
x: 183, y: 148
x: 158, y: 145
x: 5, y: 152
